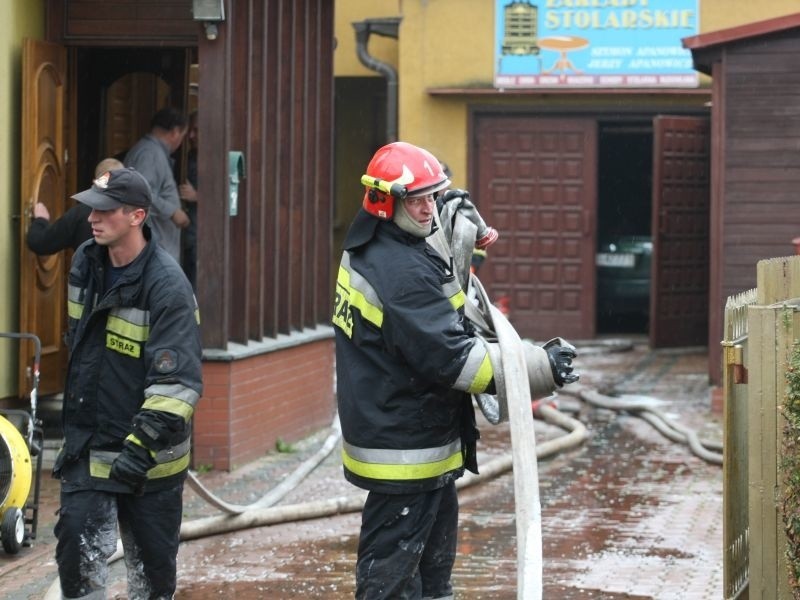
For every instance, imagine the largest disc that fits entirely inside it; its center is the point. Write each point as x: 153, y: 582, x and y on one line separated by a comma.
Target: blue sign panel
x: 594, y: 43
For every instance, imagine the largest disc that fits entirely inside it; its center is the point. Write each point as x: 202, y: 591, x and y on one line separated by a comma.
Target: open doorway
x: 119, y: 90
x: 113, y: 93
x: 624, y: 240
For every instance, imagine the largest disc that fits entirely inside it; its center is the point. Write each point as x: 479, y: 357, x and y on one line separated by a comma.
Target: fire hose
x: 261, y: 513
x: 514, y: 406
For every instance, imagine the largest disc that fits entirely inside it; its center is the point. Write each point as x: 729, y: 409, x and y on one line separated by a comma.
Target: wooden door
x: 681, y: 200
x: 43, y: 278
x: 535, y: 181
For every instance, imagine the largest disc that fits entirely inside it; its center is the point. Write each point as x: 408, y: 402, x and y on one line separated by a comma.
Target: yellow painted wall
x: 722, y: 14
x: 346, y: 63
x: 21, y: 18
x: 449, y: 43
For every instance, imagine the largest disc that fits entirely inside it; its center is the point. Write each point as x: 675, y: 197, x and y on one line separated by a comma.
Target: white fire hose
x: 515, y: 406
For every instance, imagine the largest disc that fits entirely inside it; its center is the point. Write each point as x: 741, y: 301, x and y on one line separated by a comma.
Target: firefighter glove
x: 156, y: 429
x: 485, y: 236
x: 131, y: 466
x: 561, y: 353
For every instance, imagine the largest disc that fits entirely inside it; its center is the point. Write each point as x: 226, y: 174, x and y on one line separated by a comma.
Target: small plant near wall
x: 790, y: 466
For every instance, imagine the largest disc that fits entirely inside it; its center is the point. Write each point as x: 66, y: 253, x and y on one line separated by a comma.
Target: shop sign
x: 594, y: 43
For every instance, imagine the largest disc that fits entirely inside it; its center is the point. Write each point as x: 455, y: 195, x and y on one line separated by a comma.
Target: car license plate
x: 615, y: 259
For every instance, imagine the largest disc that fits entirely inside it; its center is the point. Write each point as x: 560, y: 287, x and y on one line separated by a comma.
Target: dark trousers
x: 407, y: 545
x: 149, y: 526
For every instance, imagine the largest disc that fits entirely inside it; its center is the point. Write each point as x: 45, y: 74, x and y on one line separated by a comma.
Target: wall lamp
x: 211, y: 13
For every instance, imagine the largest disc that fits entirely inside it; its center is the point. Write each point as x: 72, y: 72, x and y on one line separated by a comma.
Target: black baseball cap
x: 115, y: 188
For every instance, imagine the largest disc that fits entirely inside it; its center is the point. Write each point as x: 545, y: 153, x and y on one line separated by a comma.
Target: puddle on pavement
x: 600, y: 506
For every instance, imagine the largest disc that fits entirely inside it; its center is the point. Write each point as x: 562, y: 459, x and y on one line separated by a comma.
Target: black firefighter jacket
x: 134, y: 350
x: 406, y: 361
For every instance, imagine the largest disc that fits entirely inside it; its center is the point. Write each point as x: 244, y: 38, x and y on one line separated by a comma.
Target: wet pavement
x: 626, y: 514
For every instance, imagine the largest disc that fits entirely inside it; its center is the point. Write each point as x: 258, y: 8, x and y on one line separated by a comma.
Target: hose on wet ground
x: 263, y: 512
x: 260, y: 515
x: 644, y: 407
x: 284, y: 487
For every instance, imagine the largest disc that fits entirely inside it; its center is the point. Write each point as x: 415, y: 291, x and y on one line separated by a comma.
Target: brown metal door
x: 42, y: 278
x: 679, y: 295
x: 535, y: 181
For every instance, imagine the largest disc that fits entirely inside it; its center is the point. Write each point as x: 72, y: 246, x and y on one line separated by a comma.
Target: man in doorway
x: 133, y: 380
x: 152, y: 157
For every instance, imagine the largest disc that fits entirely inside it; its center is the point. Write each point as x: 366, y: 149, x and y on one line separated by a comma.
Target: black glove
x: 454, y: 193
x: 156, y: 429
x: 131, y: 466
x: 561, y: 354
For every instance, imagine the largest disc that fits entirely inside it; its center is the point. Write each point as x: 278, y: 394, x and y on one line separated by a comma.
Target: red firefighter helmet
x: 400, y: 170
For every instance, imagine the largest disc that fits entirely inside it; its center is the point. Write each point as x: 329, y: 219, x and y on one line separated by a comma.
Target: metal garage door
x: 534, y: 179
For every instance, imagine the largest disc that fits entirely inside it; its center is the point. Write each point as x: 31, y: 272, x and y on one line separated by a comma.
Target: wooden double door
x: 79, y: 105
x: 535, y: 179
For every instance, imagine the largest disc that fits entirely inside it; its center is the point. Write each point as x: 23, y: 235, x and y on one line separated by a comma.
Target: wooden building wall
x: 265, y: 271
x: 761, y: 213
x: 266, y: 89
x: 755, y: 167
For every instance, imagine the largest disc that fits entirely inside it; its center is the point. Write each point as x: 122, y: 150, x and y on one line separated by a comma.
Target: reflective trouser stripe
x: 401, y: 465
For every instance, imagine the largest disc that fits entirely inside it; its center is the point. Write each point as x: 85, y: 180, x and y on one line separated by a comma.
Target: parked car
x: 623, y: 276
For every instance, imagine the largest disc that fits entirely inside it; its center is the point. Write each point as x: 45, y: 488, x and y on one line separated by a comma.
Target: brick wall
x: 249, y: 404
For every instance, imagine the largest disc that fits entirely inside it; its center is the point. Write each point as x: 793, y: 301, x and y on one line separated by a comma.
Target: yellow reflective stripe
x: 123, y: 346
x: 452, y: 290
x: 170, y: 468
x: 100, y: 460
x: 352, y: 292
x: 132, y: 331
x: 162, y: 456
x: 102, y: 469
x: 74, y: 310
x: 477, y: 372
x: 458, y: 299
x: 98, y: 469
x: 170, y: 405
x: 482, y: 377
x: 197, y: 315
x: 402, y: 472
x: 133, y: 438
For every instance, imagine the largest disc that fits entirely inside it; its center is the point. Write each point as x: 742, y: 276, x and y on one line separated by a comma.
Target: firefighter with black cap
x: 407, y: 361
x: 133, y: 380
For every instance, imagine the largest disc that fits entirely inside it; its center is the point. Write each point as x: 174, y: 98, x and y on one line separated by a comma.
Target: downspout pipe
x: 387, y: 27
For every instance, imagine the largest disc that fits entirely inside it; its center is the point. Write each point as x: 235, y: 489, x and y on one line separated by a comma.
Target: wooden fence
x: 761, y: 326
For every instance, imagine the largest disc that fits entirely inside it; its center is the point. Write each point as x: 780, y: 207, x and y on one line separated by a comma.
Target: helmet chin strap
x: 404, y: 221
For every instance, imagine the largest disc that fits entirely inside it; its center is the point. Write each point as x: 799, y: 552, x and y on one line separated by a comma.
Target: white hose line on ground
x: 262, y: 517
x: 667, y: 427
x: 278, y: 492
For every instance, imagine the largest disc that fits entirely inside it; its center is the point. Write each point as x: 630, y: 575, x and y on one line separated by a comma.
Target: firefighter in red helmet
x: 407, y: 361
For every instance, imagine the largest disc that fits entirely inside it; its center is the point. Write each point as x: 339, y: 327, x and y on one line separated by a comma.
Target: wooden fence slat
x: 735, y: 528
